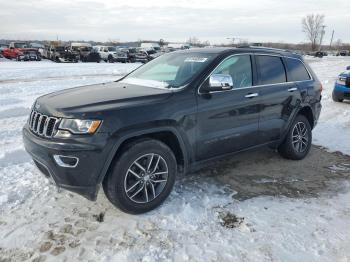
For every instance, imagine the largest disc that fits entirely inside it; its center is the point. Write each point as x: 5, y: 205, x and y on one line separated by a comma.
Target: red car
x: 16, y: 50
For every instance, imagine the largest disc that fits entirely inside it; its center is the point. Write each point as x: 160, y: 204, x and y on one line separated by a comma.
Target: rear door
x: 297, y: 73
x: 278, y: 97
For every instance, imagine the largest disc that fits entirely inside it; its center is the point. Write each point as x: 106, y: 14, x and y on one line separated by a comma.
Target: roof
x: 243, y: 49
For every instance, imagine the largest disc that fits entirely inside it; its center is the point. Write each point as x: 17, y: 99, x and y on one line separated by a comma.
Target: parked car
x: 341, y: 89
x: 172, y: 115
x: 93, y: 56
x: 17, y: 49
x: 137, y: 55
x: 151, y: 53
x: 38, y: 47
x: 29, y: 55
x: 111, y: 54
x: 82, y: 50
x: 62, y: 54
x: 320, y: 54
x: 343, y: 53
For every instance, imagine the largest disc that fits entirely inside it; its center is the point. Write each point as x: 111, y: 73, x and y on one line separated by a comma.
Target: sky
x: 175, y: 21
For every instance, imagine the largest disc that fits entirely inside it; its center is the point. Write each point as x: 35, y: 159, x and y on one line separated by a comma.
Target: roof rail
x: 264, y: 47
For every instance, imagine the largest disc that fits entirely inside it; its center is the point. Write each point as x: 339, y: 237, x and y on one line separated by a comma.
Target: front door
x: 227, y: 121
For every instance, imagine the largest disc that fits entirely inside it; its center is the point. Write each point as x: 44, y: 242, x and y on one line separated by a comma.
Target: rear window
x: 271, y: 70
x: 296, y: 70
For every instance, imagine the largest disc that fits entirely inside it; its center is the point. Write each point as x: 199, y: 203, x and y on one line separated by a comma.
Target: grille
x: 42, y: 125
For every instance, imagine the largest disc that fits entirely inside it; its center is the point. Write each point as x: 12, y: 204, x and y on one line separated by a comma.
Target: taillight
x: 321, y: 88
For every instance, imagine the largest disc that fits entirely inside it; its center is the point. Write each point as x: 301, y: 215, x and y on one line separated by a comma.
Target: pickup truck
x: 17, y: 50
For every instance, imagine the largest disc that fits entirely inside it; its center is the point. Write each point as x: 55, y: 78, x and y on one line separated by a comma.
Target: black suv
x: 169, y: 116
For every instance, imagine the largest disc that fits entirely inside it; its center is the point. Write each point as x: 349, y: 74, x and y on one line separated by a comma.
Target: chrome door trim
x: 292, y: 89
x: 252, y: 95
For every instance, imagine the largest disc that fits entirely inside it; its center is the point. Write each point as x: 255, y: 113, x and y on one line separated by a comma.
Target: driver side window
x: 239, y: 67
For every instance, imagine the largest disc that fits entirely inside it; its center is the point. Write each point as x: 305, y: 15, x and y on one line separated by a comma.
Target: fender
x: 120, y: 141
x: 294, y: 115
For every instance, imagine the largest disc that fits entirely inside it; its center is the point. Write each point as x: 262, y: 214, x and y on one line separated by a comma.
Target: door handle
x: 292, y: 89
x: 251, y: 95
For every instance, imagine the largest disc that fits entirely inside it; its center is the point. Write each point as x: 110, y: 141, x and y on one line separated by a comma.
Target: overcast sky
x: 176, y: 20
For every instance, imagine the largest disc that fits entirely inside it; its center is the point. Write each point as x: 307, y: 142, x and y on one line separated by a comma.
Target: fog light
x: 66, y: 161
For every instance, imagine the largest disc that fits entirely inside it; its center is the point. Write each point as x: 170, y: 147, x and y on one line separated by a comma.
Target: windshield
x: 170, y: 70
x: 111, y: 49
x: 20, y: 45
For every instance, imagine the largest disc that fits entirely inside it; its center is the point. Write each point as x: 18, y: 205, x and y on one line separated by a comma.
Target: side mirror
x: 348, y: 68
x: 220, y: 82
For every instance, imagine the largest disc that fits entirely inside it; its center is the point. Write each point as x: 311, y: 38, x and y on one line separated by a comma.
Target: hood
x: 345, y: 73
x: 92, y: 99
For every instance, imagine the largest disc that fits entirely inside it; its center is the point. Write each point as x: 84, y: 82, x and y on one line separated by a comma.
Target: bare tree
x: 313, y: 26
x: 194, y: 41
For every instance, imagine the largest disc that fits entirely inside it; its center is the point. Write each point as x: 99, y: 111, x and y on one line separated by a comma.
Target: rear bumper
x: 82, y: 178
x: 341, y: 91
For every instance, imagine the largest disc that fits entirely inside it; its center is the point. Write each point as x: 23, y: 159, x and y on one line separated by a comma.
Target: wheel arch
x: 168, y: 135
x: 308, y: 113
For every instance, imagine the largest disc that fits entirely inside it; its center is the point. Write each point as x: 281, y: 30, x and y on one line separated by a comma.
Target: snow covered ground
x: 333, y: 129
x: 201, y: 221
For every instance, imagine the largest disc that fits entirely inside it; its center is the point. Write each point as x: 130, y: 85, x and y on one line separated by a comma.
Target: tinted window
x: 271, y: 70
x: 296, y: 70
x: 239, y: 68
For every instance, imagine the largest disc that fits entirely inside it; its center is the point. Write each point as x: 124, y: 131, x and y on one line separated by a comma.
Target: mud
x: 266, y: 173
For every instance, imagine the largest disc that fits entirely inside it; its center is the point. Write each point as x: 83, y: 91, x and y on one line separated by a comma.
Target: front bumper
x: 83, y: 178
x: 341, y: 91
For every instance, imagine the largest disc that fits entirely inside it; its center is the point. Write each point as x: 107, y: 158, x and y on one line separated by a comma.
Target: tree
x: 193, y: 41
x: 313, y: 28
x: 161, y: 42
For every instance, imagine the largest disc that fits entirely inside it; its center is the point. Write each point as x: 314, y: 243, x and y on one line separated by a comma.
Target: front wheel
x: 297, y: 143
x: 142, y: 177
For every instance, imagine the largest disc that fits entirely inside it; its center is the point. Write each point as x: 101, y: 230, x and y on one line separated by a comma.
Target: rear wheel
x: 297, y: 143
x: 142, y: 177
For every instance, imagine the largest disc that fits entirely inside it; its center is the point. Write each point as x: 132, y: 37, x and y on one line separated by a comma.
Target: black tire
x: 336, y: 99
x: 115, y: 184
x: 292, y: 149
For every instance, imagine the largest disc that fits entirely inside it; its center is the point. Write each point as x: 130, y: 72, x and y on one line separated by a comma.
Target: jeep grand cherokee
x: 172, y: 115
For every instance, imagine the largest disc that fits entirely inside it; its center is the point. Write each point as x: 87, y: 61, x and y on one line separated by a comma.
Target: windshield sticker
x: 145, y: 82
x: 196, y: 59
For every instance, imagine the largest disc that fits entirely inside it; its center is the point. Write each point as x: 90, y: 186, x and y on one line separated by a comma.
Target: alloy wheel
x: 300, y: 137
x: 146, y: 178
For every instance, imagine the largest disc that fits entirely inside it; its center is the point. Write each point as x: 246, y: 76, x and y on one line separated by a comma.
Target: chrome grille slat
x: 42, y: 125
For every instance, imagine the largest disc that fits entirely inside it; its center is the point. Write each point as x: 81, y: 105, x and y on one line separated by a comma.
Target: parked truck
x: 17, y: 50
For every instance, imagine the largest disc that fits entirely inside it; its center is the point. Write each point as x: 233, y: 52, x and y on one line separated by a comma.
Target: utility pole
x: 233, y: 40
x: 322, y: 34
x: 330, y: 45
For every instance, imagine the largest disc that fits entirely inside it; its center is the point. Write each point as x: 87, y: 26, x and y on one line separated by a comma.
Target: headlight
x: 77, y: 126
x: 341, y: 80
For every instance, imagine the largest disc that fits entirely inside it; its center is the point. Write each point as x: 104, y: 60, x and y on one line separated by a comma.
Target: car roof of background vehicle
x: 243, y: 49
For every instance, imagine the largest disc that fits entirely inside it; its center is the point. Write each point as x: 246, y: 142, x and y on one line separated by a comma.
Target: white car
x: 111, y: 54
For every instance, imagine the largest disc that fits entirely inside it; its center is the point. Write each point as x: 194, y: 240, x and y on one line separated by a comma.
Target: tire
x: 110, y: 59
x: 296, y: 146
x: 122, y: 187
x: 336, y: 99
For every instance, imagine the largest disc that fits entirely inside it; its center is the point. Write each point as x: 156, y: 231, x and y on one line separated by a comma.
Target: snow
x: 192, y: 224
x: 332, y: 131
